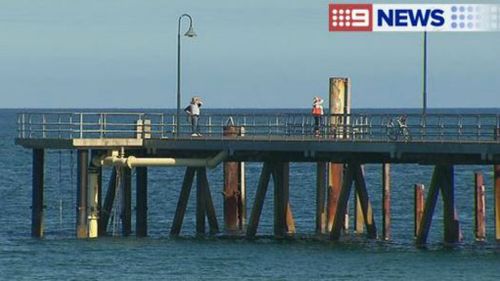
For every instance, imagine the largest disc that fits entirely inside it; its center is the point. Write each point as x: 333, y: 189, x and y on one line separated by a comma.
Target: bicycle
x: 395, y: 131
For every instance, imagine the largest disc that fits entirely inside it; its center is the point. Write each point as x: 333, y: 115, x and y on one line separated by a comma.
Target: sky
x: 248, y: 54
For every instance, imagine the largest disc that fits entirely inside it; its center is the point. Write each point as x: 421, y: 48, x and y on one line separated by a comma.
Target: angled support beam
x: 338, y: 221
x: 259, y: 200
x: 108, y: 204
x: 209, y: 205
x: 37, y: 196
x: 430, y: 204
x: 364, y: 201
x: 183, y: 200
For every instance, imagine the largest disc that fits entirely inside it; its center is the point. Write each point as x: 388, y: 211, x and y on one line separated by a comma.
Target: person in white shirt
x: 193, y: 111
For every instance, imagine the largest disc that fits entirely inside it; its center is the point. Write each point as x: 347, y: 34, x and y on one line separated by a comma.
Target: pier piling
x: 81, y: 195
x: 200, y: 204
x: 419, y: 203
x: 335, y: 179
x: 126, y: 203
x: 37, y: 196
x: 343, y: 198
x: 93, y: 195
x: 386, y: 199
x: 141, y: 221
x: 480, y: 206
x: 209, y: 205
x: 321, y: 180
x: 496, y: 188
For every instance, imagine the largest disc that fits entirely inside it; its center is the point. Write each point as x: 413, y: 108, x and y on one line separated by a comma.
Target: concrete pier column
x: 37, y: 196
x: 141, y: 221
x: 93, y: 201
x: 81, y: 194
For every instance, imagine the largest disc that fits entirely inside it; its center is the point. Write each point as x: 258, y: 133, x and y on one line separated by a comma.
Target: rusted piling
x: 419, y: 202
x: 480, y: 206
x: 321, y: 180
x: 231, y: 196
x: 126, y: 204
x: 81, y: 195
x: 335, y: 180
x: 234, y: 187
x: 283, y: 218
x: 37, y: 193
x: 141, y: 221
x: 386, y: 199
x: 497, y: 200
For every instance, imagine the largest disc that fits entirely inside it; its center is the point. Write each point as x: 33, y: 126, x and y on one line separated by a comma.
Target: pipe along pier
x: 346, y: 142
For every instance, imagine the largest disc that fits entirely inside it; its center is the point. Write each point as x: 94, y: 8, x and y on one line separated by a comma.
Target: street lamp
x: 189, y: 33
x: 424, y: 78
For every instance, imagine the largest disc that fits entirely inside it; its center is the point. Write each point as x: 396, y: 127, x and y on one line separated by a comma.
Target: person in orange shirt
x: 317, y: 112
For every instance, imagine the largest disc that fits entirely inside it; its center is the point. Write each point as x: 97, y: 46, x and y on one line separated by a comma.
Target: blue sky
x: 122, y: 53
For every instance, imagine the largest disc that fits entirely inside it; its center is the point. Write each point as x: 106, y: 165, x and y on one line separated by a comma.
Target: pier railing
x: 341, y: 127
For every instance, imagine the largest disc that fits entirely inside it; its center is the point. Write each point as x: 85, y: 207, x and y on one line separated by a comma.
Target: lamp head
x: 190, y: 32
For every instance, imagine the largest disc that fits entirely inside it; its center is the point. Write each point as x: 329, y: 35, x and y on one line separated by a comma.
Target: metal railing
x: 290, y: 126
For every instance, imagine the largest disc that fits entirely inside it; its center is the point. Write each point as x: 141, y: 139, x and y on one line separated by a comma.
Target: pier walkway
x: 340, y: 146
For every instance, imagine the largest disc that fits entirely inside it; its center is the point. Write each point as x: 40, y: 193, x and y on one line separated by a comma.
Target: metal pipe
x: 132, y: 161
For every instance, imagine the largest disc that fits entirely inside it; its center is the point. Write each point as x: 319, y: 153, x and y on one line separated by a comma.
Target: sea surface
x: 60, y: 256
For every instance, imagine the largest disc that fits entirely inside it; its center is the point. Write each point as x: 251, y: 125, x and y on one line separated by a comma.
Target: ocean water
x: 60, y: 256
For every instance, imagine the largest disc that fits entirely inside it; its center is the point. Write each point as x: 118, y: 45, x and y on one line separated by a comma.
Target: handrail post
x: 81, y: 125
x: 23, y: 126
x: 44, y: 128
x: 59, y: 125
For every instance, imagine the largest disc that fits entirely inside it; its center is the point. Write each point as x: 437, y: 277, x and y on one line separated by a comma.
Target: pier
x: 340, y: 148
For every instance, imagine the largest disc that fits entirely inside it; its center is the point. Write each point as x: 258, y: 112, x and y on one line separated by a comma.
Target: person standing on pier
x: 193, y: 111
x: 317, y: 112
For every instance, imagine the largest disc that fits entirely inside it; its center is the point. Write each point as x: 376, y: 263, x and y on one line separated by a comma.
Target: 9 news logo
x: 351, y: 17
x: 413, y: 17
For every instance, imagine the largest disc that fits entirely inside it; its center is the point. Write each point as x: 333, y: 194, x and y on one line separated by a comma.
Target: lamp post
x: 424, y: 105
x: 189, y: 33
